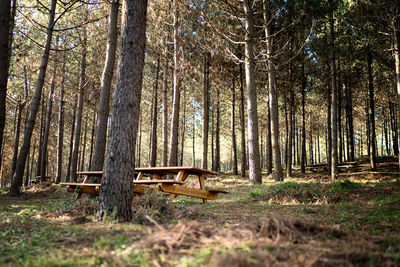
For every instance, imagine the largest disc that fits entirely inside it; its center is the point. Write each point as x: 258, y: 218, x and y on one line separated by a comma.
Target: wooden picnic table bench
x: 173, y: 187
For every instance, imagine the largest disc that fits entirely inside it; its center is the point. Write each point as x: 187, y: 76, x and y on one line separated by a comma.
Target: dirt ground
x: 307, y: 220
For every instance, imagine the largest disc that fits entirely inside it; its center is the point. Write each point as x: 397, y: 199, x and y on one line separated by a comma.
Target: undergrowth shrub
x: 154, y: 205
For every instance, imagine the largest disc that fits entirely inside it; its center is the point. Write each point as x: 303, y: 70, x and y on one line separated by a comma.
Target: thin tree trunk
x: 396, y: 52
x: 106, y: 84
x: 71, y: 140
x: 140, y: 143
x: 60, y: 139
x: 79, y: 111
x: 233, y: 130
x: 43, y: 163
x: 173, y: 141
x: 116, y: 186
x: 349, y: 112
x: 30, y: 167
x: 92, y: 137
x: 339, y: 114
x: 217, y: 135
x: 18, y: 109
x: 183, y: 127
x: 290, y: 128
x: 242, y: 128
x: 303, y: 114
x: 153, y: 148
x: 372, y: 146
x: 206, y: 109
x: 19, y: 172
x: 165, y: 110
x: 268, y: 143
x: 273, y: 104
x: 83, y: 157
x: 334, y: 156
x: 311, y: 143
x: 41, y: 131
x: 194, y: 137
x: 319, y: 152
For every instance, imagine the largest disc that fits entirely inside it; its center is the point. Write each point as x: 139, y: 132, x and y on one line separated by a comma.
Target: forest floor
x: 306, y: 220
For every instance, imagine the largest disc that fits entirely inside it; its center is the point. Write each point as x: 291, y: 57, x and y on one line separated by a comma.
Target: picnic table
x: 159, y: 176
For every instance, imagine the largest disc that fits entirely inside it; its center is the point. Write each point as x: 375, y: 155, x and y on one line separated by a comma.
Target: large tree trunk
x: 252, y: 115
x: 242, y: 128
x: 206, y: 109
x: 153, y: 148
x: 273, y: 98
x: 43, y: 163
x: 60, y: 138
x: 173, y: 141
x: 106, y: 84
x: 79, y: 110
x: 334, y: 156
x: 4, y: 62
x: 19, y: 171
x: 233, y: 127
x: 372, y: 138
x: 116, y: 185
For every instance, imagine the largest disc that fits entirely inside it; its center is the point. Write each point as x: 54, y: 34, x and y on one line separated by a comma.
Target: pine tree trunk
x: 273, y: 104
x: 311, y: 143
x: 242, y: 128
x: 372, y: 146
x: 19, y: 171
x: 71, y: 140
x: 206, y: 109
x: 83, y: 157
x: 303, y: 114
x: 233, y: 128
x: 268, y: 144
x: 18, y: 108
x: 43, y: 163
x: 165, y: 110
x: 60, y: 138
x: 106, y: 84
x: 289, y: 161
x: 183, y: 128
x: 153, y: 148
x: 396, y: 52
x: 349, y: 113
x: 41, y: 131
x: 79, y: 111
x: 173, y: 141
x: 92, y: 137
x: 194, y: 138
x: 116, y: 186
x: 5, y: 18
x: 217, y: 135
x: 334, y: 156
x: 339, y: 114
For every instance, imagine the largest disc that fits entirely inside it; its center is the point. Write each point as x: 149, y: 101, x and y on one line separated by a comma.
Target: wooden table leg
x: 180, y: 177
x: 202, y: 186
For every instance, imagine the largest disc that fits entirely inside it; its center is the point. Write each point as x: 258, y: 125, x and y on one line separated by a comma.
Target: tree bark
x: 217, y: 135
x: 43, y: 163
x: 116, y: 186
x: 289, y: 161
x: 153, y: 148
x: 79, y: 110
x: 71, y: 140
x: 18, y: 109
x: 173, y: 141
x: 165, y: 110
x: 206, y: 109
x: 5, y: 18
x: 183, y: 128
x: 233, y: 127
x: 60, y: 138
x: 19, y: 171
x: 92, y: 137
x: 242, y: 127
x: 106, y: 84
x: 252, y: 114
x: 273, y: 98
x: 334, y: 156
x: 396, y: 52
x: 303, y: 115
x: 372, y: 138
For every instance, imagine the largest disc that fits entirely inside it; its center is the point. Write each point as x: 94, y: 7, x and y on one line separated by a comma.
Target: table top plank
x: 169, y: 181
x: 175, y: 170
